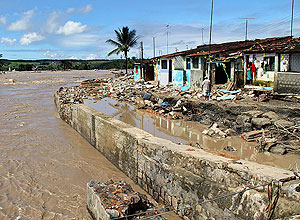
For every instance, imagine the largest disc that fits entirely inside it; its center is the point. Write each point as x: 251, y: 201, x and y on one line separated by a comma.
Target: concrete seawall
x: 180, y: 175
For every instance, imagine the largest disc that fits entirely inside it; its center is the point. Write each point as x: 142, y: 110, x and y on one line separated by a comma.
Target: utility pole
x: 210, y: 33
x: 153, y: 47
x: 211, y: 23
x: 292, y: 18
x: 202, y: 35
x: 142, y: 57
x: 246, y: 34
x: 167, y: 38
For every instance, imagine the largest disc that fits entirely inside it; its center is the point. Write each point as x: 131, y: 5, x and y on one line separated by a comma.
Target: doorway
x: 170, y: 71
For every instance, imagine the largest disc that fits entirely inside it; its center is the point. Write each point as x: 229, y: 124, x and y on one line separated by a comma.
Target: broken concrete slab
x: 261, y: 122
x: 115, y: 199
x: 271, y: 115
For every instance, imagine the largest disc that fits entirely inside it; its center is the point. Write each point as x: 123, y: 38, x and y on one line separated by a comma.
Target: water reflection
x: 188, y: 132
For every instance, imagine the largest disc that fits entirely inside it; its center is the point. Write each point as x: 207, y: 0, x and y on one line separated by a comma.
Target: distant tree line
x: 31, y: 65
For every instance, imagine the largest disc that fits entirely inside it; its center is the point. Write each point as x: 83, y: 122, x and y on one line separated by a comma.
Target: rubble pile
x: 120, y: 201
x: 244, y: 112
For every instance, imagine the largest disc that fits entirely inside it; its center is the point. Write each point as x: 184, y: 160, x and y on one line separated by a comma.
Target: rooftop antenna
x: 167, y: 38
x: 202, y: 35
x: 246, y: 20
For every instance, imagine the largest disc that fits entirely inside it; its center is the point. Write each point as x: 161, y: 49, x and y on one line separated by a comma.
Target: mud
x: 190, y: 132
x: 44, y: 164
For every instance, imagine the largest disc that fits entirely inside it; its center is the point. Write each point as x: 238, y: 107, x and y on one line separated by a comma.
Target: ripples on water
x: 44, y: 163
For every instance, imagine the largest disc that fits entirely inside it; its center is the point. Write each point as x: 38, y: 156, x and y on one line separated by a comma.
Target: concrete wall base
x: 180, y: 175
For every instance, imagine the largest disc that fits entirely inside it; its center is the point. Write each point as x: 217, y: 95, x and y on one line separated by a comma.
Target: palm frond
x: 115, y: 51
x: 113, y: 42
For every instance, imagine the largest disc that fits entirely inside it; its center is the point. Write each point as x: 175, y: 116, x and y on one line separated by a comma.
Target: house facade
x: 278, y: 62
x: 228, y: 62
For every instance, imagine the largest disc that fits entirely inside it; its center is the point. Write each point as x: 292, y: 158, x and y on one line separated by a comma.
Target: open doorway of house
x: 170, y: 71
x: 222, y: 72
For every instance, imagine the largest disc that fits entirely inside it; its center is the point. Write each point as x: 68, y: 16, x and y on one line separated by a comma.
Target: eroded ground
x: 270, y: 127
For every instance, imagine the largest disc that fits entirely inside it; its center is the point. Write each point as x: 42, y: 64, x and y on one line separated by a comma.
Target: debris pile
x: 244, y: 112
x: 120, y: 201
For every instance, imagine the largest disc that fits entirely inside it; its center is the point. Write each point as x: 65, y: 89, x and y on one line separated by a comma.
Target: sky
x: 73, y: 29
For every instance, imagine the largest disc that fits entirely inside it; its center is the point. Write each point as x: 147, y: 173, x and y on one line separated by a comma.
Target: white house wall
x: 260, y: 73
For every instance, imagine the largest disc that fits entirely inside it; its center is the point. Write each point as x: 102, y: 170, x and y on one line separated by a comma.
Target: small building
x: 146, y: 73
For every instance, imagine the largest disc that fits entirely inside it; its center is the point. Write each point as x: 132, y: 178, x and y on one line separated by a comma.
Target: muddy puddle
x: 188, y: 132
x: 44, y: 164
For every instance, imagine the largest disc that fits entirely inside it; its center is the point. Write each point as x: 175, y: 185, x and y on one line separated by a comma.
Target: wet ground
x: 44, y: 164
x: 188, y: 132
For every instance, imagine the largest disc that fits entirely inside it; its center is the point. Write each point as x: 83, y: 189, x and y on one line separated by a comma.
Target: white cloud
x: 2, y: 20
x: 30, y: 38
x: 23, y: 23
x: 72, y: 27
x: 91, y: 57
x: 70, y: 10
x: 52, y: 23
x: 86, y: 9
x: 82, y: 40
x: 52, y: 55
x: 8, y: 41
x: 49, y: 54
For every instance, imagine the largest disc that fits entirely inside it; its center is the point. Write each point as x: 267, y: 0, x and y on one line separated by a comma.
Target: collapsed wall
x: 180, y: 175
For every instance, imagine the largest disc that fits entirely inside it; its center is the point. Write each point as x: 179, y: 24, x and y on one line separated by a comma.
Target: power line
x: 274, y: 24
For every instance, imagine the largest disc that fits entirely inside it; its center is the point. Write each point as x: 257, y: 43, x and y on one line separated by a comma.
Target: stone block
x: 261, y: 122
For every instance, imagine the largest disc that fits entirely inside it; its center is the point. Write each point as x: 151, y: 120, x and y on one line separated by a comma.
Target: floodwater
x: 187, y: 132
x: 44, y: 164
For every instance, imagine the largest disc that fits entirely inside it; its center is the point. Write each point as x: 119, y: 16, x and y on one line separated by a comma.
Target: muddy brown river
x: 44, y: 164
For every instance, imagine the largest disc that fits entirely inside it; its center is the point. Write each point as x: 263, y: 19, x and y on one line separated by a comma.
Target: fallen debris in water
x: 116, y: 199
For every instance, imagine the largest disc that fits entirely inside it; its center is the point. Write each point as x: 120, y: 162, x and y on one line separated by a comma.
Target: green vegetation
x: 31, y: 65
x: 125, y: 40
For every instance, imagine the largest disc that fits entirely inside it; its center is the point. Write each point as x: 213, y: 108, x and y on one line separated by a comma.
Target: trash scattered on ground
x: 229, y: 113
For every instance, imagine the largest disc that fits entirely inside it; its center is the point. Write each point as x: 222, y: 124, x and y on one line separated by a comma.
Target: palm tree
x: 125, y: 40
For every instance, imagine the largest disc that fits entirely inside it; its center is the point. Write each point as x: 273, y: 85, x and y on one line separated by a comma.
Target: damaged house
x: 179, y: 69
x: 228, y: 62
x: 277, y: 61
